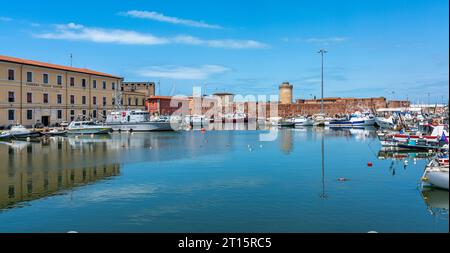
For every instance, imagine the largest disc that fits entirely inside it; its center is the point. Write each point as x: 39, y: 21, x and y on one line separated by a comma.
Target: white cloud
x: 183, y: 73
x: 166, y: 19
x: 79, y: 32
x: 324, y: 41
x: 6, y: 19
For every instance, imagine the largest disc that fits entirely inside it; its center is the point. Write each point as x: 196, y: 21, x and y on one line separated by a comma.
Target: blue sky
x: 396, y: 49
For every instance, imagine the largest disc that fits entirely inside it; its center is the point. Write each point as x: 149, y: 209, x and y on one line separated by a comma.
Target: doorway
x: 45, y: 120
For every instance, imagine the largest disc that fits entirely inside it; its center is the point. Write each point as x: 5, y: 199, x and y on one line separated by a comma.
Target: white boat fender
x: 28, y: 139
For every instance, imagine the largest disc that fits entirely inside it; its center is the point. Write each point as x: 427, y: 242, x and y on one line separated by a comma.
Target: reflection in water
x: 34, y: 170
x: 211, y: 181
x: 386, y: 153
x: 323, y: 195
x: 437, y: 202
x: 286, y: 141
x: 30, y: 171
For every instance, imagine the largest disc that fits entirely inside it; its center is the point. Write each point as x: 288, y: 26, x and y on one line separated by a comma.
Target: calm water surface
x: 218, y: 181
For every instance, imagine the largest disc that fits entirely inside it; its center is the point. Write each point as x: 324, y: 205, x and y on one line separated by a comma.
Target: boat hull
x: 438, y: 179
x: 346, y: 123
x: 20, y: 136
x: 101, y: 130
x: 143, y: 127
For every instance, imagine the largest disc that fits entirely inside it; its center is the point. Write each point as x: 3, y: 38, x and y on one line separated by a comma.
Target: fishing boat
x: 286, y: 123
x: 436, y: 173
x: 385, y: 123
x: 303, y: 121
x: 355, y: 120
x: 139, y: 121
x: 19, y: 132
x: 320, y: 120
x: 87, y: 127
x: 438, y: 136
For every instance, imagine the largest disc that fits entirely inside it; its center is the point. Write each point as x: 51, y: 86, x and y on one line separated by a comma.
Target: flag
x: 444, y: 138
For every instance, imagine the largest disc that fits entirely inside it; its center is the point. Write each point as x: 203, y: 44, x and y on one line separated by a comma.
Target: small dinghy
x: 55, y: 132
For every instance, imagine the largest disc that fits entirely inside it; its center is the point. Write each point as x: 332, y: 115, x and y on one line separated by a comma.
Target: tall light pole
x: 322, y: 51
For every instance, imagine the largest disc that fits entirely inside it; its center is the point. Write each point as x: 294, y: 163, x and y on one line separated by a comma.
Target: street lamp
x: 322, y: 51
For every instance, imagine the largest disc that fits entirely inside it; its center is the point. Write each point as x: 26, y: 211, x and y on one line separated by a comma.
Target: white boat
x: 383, y: 122
x: 19, y: 132
x: 139, y: 121
x: 354, y: 121
x: 321, y: 120
x: 303, y: 121
x: 87, y: 127
x: 436, y: 173
x: 196, y: 120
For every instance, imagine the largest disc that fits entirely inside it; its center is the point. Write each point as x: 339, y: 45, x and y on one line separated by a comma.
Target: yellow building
x: 286, y: 93
x: 33, y: 92
x: 135, y: 94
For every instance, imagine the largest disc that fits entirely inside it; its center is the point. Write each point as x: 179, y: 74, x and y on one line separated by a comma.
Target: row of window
x: 45, y: 80
x: 45, y: 98
x: 59, y: 114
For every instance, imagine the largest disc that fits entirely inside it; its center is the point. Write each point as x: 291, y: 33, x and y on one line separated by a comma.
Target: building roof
x: 223, y: 94
x: 139, y: 83
x: 54, y: 66
x: 168, y: 97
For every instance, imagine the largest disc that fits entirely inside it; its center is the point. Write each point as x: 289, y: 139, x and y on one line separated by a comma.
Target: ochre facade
x: 35, y: 92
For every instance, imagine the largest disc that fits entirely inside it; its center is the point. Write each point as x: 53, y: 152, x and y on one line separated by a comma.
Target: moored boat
x: 354, y: 121
x: 87, y: 127
x: 19, y: 132
x: 303, y: 121
x: 139, y: 121
x: 436, y: 173
x: 385, y: 123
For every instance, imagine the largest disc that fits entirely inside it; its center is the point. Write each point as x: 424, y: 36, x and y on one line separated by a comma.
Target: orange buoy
x: 203, y: 129
x: 369, y: 164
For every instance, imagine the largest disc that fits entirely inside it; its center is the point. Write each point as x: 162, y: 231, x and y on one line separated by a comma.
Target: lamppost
x: 322, y: 51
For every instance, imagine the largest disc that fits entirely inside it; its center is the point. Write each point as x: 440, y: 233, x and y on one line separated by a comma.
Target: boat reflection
x: 385, y: 153
x: 437, y: 202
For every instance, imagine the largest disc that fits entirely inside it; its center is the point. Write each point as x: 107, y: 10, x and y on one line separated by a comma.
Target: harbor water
x: 306, y: 180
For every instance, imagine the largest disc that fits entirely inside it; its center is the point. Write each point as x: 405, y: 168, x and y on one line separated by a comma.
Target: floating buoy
x: 369, y: 164
x: 406, y: 162
x: 28, y: 139
x: 203, y: 129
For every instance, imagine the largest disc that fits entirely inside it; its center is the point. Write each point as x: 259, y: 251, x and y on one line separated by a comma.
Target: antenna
x: 71, y: 59
x: 159, y: 87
